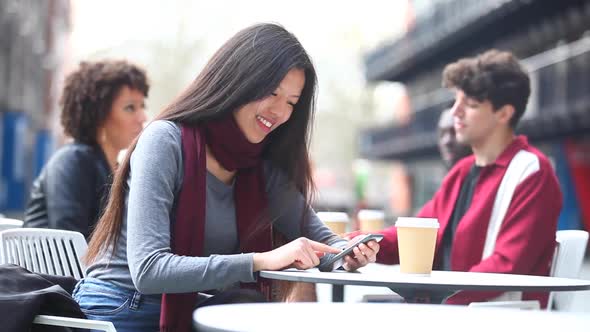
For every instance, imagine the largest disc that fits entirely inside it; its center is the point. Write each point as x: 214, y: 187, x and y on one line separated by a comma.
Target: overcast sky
x: 107, y: 23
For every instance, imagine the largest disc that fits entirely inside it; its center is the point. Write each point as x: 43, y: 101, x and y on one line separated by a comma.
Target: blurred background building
x: 552, y: 38
x: 33, y: 51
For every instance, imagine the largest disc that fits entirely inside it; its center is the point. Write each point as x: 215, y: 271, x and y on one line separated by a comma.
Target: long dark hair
x: 248, y: 67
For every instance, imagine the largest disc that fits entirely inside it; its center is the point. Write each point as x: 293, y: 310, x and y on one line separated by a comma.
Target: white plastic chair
x: 567, y: 263
x: 48, y: 251
x: 523, y: 305
x: 7, y: 223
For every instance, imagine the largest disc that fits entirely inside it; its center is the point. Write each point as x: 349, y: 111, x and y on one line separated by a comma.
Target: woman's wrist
x: 258, y: 261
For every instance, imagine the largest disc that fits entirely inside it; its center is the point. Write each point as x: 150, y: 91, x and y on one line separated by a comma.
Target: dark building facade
x: 551, y: 37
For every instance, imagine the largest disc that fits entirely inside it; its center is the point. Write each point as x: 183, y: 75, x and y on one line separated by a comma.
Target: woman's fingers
x: 305, y: 253
x: 369, y: 251
x: 362, y: 255
x: 304, y: 258
x: 359, y: 256
x: 320, y: 254
x: 365, y: 250
x: 318, y: 246
x: 312, y: 252
x: 350, y: 264
x: 298, y: 265
x: 374, y: 249
x: 311, y: 257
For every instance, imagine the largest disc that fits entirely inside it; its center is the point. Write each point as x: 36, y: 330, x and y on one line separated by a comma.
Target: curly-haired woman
x: 103, y: 110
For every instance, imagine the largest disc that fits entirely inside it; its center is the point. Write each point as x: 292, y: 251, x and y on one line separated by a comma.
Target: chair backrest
x: 567, y: 263
x: 7, y: 223
x: 41, y: 250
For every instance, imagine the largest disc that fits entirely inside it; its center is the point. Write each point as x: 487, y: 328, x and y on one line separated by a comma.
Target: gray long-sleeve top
x: 143, y: 259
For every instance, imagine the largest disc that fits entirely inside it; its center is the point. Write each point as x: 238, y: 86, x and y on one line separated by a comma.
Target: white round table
x: 436, y: 287
x: 366, y: 317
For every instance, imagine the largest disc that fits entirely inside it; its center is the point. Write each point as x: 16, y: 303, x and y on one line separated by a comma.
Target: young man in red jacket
x: 498, y: 208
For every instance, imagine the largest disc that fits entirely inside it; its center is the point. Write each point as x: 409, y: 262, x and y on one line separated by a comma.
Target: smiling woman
x: 207, y: 187
x: 258, y: 118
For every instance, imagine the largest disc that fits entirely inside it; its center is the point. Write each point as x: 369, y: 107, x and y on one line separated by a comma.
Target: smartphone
x: 334, y: 261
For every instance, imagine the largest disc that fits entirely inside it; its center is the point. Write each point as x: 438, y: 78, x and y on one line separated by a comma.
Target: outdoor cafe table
x: 434, y: 288
x: 368, y: 317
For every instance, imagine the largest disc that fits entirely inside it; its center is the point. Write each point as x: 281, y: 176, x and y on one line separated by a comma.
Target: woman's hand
x: 362, y: 255
x: 301, y: 253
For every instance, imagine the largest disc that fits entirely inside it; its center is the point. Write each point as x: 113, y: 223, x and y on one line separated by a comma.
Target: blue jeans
x: 128, y: 310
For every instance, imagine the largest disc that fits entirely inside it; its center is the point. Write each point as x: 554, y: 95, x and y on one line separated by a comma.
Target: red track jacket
x: 525, y: 242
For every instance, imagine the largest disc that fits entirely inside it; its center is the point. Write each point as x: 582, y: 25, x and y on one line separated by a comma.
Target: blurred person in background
x: 498, y: 208
x: 103, y: 110
x: 451, y: 151
x: 195, y: 204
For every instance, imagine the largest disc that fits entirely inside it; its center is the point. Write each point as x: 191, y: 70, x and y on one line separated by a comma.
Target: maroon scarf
x: 233, y: 151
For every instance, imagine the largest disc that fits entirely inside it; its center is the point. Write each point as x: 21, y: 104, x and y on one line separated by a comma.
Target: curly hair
x: 89, y: 93
x: 495, y: 76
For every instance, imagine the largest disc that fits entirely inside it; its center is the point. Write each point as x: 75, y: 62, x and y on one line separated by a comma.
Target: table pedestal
x: 418, y: 296
x: 409, y: 295
x: 337, y: 293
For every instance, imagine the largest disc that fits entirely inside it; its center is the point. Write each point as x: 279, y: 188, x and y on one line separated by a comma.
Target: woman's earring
x: 102, y: 136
